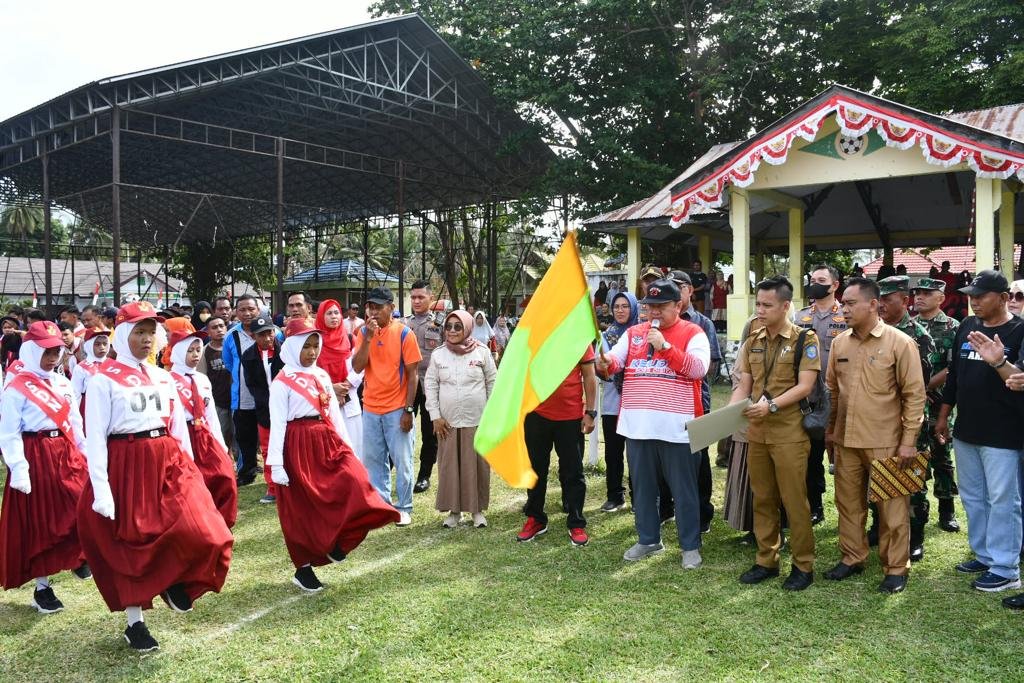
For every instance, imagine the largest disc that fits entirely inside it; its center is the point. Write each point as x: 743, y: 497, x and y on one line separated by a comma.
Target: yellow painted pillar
x: 1006, y: 234
x: 984, y: 225
x: 796, y: 254
x: 632, y: 258
x: 739, y: 302
x: 704, y: 253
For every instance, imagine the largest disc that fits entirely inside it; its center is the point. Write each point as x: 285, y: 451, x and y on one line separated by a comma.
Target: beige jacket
x: 457, y: 387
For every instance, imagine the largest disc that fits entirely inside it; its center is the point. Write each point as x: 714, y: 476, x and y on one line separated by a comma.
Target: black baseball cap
x: 260, y: 324
x: 380, y: 296
x: 680, y: 277
x: 661, y: 291
x: 987, y: 281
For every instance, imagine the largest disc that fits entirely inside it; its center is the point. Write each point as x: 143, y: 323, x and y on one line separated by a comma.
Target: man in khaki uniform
x: 777, y: 372
x: 878, y: 395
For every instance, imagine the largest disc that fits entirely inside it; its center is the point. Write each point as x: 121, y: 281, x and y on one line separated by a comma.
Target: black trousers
x: 248, y: 439
x: 428, y: 442
x: 567, y: 439
x: 614, y: 459
x: 666, y: 505
x: 816, y: 474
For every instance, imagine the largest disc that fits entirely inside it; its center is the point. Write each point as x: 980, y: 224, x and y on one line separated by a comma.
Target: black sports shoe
x: 306, y: 580
x: 46, y: 602
x: 138, y: 638
x: 177, y: 599
x: 798, y: 580
x: 83, y: 572
x: 336, y: 555
x: 757, y: 574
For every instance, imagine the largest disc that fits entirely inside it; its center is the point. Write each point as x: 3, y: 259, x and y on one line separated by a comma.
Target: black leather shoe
x: 949, y: 523
x: 798, y: 580
x: 817, y: 517
x: 1014, y: 601
x: 892, y: 584
x: 421, y: 485
x: 757, y: 574
x: 916, y: 553
x: 843, y: 571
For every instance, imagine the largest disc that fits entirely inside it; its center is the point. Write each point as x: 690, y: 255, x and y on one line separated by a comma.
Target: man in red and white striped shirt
x: 665, y: 361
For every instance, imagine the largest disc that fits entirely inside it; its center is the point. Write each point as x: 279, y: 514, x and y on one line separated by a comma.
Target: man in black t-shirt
x: 987, y: 437
x: 699, y: 281
x: 212, y: 365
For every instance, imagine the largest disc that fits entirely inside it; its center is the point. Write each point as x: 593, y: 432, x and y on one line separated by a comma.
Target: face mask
x: 204, y: 317
x: 817, y: 291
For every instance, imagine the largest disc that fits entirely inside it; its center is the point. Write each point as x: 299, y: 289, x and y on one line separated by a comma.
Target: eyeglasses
x: 454, y: 327
x: 1017, y: 296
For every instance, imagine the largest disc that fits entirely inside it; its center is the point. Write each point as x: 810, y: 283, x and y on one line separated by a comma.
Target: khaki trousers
x: 778, y: 474
x: 853, y: 467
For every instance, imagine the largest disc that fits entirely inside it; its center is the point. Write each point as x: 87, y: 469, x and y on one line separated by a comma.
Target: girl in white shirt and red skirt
x: 208, y: 448
x: 42, y: 442
x: 95, y: 344
x: 146, y: 520
x: 325, y: 501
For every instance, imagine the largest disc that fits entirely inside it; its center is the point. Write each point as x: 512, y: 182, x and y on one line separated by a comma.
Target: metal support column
x: 115, y: 199
x: 366, y: 256
x: 138, y: 272
x: 279, y: 271
x: 166, y: 278
x: 316, y: 254
x: 47, y: 232
x: 400, y: 208
x: 423, y: 249
x: 233, y: 273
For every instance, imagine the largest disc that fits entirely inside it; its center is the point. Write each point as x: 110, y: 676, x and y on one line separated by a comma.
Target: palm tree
x: 21, y: 222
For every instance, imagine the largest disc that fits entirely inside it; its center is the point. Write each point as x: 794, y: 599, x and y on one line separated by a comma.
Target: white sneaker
x: 404, y: 519
x: 452, y: 520
x: 692, y: 559
x: 639, y: 551
x: 479, y: 521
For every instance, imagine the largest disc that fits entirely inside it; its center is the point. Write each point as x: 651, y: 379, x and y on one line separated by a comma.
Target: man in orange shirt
x: 390, y: 356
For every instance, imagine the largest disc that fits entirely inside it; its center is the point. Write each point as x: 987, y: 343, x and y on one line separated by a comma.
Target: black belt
x: 315, y: 418
x: 48, y: 434
x: 148, y: 434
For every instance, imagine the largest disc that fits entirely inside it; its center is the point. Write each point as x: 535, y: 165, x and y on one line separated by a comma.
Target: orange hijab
x: 173, y: 325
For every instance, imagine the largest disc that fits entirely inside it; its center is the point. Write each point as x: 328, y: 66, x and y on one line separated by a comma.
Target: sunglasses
x: 1017, y: 296
x: 454, y: 327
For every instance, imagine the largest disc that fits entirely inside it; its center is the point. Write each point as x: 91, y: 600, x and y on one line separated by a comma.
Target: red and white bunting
x: 855, y: 118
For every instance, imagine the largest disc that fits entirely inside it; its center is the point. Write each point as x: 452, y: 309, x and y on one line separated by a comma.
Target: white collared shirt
x: 287, y: 404
x: 18, y: 414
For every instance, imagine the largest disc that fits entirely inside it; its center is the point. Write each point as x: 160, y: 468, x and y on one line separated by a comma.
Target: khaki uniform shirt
x: 877, y: 389
x: 770, y: 361
x: 827, y: 326
x: 429, y: 336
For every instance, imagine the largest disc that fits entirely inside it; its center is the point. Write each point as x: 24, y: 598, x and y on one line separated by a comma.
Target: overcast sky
x: 52, y: 46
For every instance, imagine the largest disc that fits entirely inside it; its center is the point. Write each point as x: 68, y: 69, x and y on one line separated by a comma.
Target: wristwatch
x: 591, y: 413
x: 410, y: 409
x: 772, y: 406
x: 666, y: 346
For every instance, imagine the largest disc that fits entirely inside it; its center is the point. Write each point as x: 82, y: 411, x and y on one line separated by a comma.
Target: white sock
x: 42, y: 583
x: 134, y: 615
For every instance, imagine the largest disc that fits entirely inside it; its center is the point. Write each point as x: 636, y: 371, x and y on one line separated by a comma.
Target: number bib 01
x: 136, y: 400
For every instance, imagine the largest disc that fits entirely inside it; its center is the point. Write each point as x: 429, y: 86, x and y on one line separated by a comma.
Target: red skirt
x: 329, y: 501
x: 218, y: 472
x: 38, y: 531
x: 166, y: 529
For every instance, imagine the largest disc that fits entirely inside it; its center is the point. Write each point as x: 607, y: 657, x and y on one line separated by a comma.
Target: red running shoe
x: 579, y: 537
x: 531, y: 530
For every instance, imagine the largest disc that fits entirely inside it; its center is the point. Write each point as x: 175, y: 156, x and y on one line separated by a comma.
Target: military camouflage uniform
x: 943, y: 330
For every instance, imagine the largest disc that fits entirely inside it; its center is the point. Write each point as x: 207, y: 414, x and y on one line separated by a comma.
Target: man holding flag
x: 664, y: 361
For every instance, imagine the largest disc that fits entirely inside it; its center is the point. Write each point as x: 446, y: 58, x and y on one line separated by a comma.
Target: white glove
x: 103, y: 502
x: 278, y: 475
x: 20, y: 480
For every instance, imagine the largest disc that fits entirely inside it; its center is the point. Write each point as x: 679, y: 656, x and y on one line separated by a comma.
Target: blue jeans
x: 649, y: 457
x: 989, y: 482
x: 384, y: 442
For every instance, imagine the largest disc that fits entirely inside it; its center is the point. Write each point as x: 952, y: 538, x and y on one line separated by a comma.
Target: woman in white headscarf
x: 41, y: 439
x: 482, y: 330
x: 325, y: 502
x: 208, y: 448
x: 95, y: 345
x: 147, y: 522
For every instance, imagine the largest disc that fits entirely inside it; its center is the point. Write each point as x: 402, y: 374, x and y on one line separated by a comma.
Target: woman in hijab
x: 147, y: 522
x: 208, y: 448
x: 625, y: 311
x: 501, y: 334
x: 95, y: 345
x: 325, y: 502
x: 601, y: 295
x: 336, y: 359
x: 458, y: 382
x: 42, y: 443
x: 202, y: 312
x: 11, y: 341
x: 482, y: 330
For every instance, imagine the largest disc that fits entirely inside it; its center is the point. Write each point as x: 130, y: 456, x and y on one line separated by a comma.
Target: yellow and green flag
x: 548, y: 342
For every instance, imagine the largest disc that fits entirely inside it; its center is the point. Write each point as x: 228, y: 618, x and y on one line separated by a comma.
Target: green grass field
x: 427, y: 603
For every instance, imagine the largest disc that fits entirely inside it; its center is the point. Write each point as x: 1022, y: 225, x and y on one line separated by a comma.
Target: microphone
x: 655, y: 324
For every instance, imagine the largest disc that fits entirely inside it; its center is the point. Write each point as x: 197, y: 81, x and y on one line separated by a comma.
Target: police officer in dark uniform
x: 892, y: 309
x: 429, y: 336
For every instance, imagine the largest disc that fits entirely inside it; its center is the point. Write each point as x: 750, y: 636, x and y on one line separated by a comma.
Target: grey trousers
x: 674, y: 461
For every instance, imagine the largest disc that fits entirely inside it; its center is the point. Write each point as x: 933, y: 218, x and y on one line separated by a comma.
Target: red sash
x: 53, y: 405
x: 309, y: 387
x: 90, y: 367
x: 15, y: 367
x: 191, y: 401
x: 132, y: 378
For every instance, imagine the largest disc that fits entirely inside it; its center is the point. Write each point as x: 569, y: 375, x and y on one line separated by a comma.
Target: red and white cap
x: 136, y: 312
x: 45, y: 334
x: 299, y: 326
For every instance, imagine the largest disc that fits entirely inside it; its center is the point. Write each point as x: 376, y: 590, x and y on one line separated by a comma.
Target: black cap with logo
x: 661, y: 291
x: 986, y: 281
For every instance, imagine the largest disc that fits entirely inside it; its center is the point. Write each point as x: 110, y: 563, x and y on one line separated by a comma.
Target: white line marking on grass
x: 356, y: 572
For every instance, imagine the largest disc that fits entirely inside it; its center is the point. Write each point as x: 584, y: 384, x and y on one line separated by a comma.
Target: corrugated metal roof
x: 1007, y: 120
x: 340, y: 270
x: 22, y: 275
